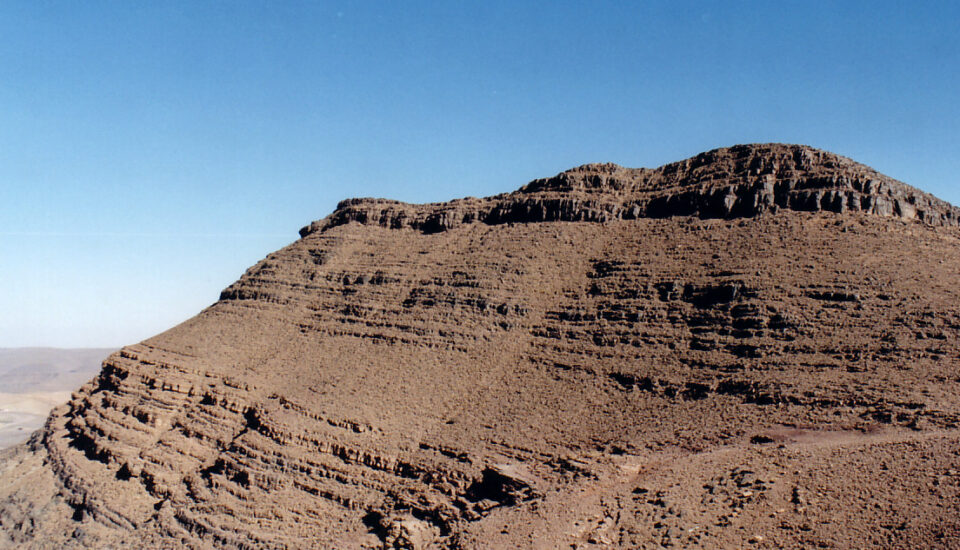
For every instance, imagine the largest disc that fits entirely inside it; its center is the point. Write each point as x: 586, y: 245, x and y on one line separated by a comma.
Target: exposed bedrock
x: 514, y: 374
x: 736, y: 182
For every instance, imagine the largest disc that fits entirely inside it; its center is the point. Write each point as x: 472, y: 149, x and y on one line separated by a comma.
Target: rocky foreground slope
x: 758, y: 346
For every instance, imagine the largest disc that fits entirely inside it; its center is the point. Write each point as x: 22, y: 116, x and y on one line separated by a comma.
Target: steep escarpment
x: 609, y: 357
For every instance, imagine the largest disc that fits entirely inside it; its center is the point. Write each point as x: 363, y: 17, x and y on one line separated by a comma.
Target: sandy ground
x: 23, y: 413
x: 35, y: 380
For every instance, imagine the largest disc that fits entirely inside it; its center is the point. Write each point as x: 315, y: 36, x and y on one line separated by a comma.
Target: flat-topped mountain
x: 755, y: 346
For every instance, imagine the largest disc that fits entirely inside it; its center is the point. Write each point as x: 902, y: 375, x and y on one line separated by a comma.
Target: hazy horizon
x: 15, y: 348
x: 149, y: 153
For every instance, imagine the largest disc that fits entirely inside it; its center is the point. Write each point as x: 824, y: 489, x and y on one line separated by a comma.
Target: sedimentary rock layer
x: 741, y: 181
x: 732, y: 349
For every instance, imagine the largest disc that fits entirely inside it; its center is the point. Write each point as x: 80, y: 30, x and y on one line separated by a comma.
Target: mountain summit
x: 740, y: 181
x: 757, y: 345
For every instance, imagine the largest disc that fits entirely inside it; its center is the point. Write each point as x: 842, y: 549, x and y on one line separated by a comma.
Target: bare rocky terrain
x: 755, y: 347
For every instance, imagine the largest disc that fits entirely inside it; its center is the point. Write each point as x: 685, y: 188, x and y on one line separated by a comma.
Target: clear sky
x: 151, y: 151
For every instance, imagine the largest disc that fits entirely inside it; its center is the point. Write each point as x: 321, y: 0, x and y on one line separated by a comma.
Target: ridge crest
x: 733, y: 182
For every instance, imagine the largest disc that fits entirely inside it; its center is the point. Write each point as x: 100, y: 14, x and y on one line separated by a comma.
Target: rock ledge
x: 736, y: 182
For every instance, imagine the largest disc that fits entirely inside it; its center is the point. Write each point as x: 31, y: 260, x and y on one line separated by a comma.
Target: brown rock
x: 489, y: 373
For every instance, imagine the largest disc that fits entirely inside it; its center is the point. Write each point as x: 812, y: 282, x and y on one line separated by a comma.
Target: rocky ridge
x: 735, y: 182
x: 715, y: 353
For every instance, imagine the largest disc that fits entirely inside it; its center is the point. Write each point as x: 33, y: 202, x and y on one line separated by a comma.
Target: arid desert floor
x: 35, y: 380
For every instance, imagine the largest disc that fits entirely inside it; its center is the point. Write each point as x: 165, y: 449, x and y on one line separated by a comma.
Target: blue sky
x: 150, y: 152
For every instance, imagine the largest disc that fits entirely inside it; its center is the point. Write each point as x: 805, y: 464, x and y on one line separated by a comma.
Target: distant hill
x: 24, y: 370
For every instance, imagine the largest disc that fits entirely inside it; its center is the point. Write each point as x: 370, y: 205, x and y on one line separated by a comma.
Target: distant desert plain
x: 35, y: 380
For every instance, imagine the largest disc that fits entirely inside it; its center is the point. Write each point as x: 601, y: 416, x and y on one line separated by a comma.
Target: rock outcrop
x: 758, y: 345
x: 737, y: 182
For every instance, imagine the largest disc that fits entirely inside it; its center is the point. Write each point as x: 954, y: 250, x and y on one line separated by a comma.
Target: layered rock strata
x: 741, y: 181
x: 722, y: 358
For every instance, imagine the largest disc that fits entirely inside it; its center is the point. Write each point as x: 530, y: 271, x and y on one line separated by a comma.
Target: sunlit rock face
x: 764, y: 336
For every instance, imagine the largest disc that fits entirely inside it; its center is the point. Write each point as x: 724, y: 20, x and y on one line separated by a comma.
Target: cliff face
x: 762, y: 337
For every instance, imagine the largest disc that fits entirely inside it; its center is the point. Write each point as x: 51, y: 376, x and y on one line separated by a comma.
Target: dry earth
x: 35, y: 380
x: 756, y: 347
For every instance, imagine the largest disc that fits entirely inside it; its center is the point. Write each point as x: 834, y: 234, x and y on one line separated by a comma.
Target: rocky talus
x: 756, y: 346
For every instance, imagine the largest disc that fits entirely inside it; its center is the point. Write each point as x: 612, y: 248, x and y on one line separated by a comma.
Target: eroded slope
x: 481, y: 382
